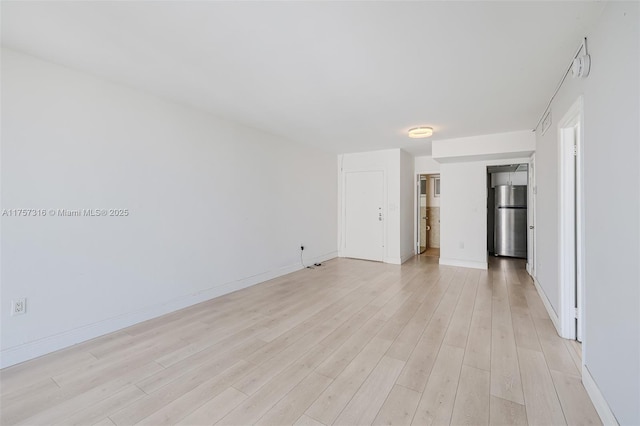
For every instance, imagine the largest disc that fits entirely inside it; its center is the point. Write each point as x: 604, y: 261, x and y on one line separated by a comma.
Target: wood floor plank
x: 409, y: 337
x: 51, y: 407
x: 575, y: 402
x: 209, y: 344
x: 178, y: 409
x: 517, y: 298
x: 258, y: 404
x: 105, y: 422
x: 98, y: 372
x: 256, y: 378
x: 471, y: 406
x: 541, y: 400
x: 305, y: 420
x: 343, y: 312
x: 506, y: 413
x: 505, y: 371
x: 98, y: 411
x: 44, y: 387
x: 339, y: 360
x: 536, y: 307
x: 365, y: 404
x: 213, y: 360
x: 163, y: 397
x: 29, y: 373
x: 399, y: 408
x: 436, y: 404
x: 215, y: 409
x: 478, y: 349
x: 296, y: 402
x: 59, y: 411
x: 525, y: 332
x: 555, y: 351
x: 458, y: 330
x: 418, y: 368
x: 348, y: 328
x: 333, y: 400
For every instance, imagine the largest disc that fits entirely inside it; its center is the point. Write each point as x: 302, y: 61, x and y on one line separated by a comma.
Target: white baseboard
x: 407, y: 257
x: 552, y: 314
x: 390, y: 260
x: 36, y: 348
x: 463, y: 263
x: 600, y: 404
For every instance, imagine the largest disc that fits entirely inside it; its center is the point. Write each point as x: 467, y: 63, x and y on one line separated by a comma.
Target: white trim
x: 599, y: 402
x: 531, y: 216
x: 36, y: 348
x: 416, y: 210
x: 547, y: 305
x: 570, y: 221
x: 463, y: 263
x: 406, y: 257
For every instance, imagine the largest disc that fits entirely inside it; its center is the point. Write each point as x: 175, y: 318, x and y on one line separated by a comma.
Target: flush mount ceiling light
x: 420, y: 132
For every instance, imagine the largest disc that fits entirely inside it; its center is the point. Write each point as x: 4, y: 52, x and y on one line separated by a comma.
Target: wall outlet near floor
x: 19, y: 306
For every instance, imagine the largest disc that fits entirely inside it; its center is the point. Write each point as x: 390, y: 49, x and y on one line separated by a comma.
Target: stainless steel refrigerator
x: 510, y: 231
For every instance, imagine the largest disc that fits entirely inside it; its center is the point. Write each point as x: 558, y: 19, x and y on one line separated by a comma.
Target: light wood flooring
x: 431, y: 251
x: 350, y: 342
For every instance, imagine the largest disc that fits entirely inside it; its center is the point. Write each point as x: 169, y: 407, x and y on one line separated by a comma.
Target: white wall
x: 394, y: 163
x: 610, y: 158
x: 463, y: 190
x: 426, y: 165
x: 463, y: 212
x: 407, y: 210
x: 213, y: 206
x: 485, y: 147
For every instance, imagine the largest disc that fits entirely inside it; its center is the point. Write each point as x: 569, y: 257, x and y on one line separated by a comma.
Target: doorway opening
x: 507, y: 210
x: 428, y: 241
x: 570, y: 216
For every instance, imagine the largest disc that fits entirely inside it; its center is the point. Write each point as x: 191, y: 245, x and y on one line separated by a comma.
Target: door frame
x: 531, y: 219
x: 416, y: 210
x: 571, y: 222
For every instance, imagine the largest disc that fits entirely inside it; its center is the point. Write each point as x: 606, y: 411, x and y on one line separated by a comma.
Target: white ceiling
x: 345, y: 76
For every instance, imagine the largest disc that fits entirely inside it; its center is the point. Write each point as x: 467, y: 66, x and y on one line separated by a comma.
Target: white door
x: 364, y: 216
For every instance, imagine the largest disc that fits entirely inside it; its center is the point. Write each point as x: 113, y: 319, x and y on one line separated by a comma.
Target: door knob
x: 531, y: 227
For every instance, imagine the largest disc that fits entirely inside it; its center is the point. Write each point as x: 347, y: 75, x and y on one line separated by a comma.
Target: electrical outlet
x: 19, y: 306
